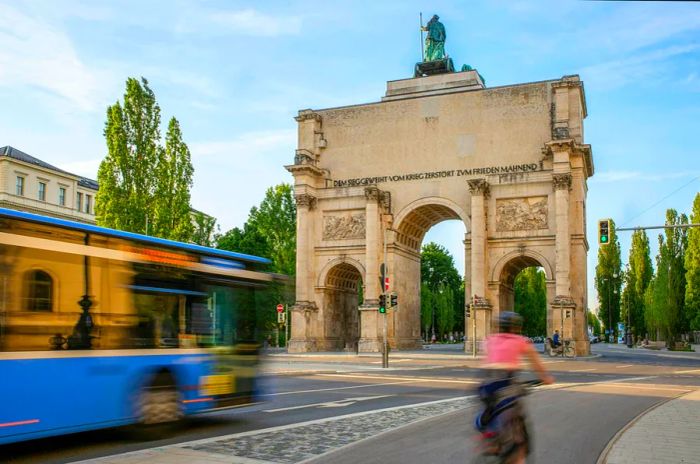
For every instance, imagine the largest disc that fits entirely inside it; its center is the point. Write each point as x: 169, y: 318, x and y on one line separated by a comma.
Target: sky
x: 236, y: 73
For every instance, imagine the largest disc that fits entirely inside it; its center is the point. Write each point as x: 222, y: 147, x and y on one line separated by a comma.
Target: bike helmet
x: 510, y: 322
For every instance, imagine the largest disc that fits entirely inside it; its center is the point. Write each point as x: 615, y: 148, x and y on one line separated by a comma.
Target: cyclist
x: 504, y: 355
x: 555, y: 339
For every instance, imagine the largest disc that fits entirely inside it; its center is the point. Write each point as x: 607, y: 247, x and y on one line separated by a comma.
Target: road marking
x: 411, y: 379
x: 648, y: 387
x: 581, y: 370
x: 393, y: 360
x: 623, y: 366
x: 335, y: 388
x: 551, y: 362
x: 330, y: 404
x: 691, y: 371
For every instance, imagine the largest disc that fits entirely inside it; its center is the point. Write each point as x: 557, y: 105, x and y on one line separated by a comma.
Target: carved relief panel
x: 344, y: 226
x: 528, y: 213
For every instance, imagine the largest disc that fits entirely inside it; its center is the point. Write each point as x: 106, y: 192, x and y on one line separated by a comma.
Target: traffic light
x: 467, y: 310
x: 394, y: 300
x: 382, y: 303
x: 603, y: 231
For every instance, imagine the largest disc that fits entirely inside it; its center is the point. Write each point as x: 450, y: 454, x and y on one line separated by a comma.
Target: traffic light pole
x: 385, y: 353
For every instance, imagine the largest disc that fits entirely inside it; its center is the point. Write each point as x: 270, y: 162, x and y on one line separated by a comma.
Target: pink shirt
x: 505, y: 350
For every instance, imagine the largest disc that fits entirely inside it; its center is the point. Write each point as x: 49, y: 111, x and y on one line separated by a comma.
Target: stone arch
x: 323, y: 275
x: 341, y: 284
x: 416, y: 218
x: 523, y: 259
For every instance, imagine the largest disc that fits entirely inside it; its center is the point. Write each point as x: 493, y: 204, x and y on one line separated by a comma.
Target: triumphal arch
x: 510, y: 162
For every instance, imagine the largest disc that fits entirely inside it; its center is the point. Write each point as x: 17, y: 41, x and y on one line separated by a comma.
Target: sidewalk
x: 667, y: 434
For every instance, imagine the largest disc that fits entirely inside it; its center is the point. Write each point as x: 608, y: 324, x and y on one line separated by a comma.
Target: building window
x: 42, y: 191
x: 79, y: 202
x: 20, y: 186
x: 62, y: 196
x: 40, y: 291
x: 88, y: 203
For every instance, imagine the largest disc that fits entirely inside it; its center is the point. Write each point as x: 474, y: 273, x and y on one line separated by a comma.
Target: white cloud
x: 254, y: 23
x: 35, y: 54
x: 251, y: 145
x: 616, y: 73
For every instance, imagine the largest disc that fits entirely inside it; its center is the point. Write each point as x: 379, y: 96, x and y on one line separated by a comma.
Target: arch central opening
x: 343, y: 296
x: 523, y: 289
x: 430, y: 269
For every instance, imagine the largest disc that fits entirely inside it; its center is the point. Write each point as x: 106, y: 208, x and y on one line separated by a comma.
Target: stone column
x: 301, y: 339
x: 369, y: 331
x: 562, y: 185
x: 479, y: 190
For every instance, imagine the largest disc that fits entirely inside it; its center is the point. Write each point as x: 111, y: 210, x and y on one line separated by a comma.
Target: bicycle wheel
x: 569, y: 352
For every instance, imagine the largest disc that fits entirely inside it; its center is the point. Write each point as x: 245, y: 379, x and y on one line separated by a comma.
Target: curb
x: 603, y: 458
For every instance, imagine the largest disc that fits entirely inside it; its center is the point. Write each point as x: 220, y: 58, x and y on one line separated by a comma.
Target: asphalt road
x: 573, y: 422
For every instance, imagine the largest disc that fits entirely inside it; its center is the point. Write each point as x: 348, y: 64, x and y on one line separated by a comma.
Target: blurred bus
x: 103, y: 328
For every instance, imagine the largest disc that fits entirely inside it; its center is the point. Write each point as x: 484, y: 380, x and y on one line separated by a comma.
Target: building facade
x: 30, y: 184
x: 509, y: 162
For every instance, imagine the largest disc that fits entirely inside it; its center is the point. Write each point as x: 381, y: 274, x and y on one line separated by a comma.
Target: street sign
x: 280, y: 308
x: 281, y: 318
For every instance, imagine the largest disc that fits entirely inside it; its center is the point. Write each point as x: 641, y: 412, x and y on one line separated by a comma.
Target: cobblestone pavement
x: 288, y: 444
x: 666, y: 434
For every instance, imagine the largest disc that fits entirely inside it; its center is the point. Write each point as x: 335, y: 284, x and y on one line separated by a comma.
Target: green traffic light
x: 382, y: 310
x: 604, y: 238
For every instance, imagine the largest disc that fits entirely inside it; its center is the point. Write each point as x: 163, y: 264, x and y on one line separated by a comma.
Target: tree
x: 270, y: 231
x: 126, y: 175
x: 438, y: 268
x: 171, y: 200
x: 530, y: 300
x: 637, y: 279
x: 144, y: 187
x: 444, y: 309
x: 608, y: 281
x: 204, y: 227
x: 593, y: 323
x: 666, y: 314
x: 692, y: 268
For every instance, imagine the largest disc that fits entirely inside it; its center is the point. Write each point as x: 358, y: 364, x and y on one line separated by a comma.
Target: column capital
x: 563, y: 301
x: 304, y: 307
x: 305, y: 200
x: 478, y: 187
x: 373, y: 194
x: 561, y: 181
x: 305, y: 115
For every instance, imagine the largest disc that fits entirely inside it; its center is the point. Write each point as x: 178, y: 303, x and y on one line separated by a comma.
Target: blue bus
x: 102, y: 328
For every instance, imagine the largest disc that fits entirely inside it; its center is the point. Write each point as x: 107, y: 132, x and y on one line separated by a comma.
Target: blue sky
x: 235, y: 74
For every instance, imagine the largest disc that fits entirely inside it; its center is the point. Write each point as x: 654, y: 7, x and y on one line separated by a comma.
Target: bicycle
x: 566, y: 349
x: 502, y: 425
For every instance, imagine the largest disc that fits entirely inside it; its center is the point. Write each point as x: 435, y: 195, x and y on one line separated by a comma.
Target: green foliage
x: 203, y: 229
x: 171, y: 200
x: 594, y: 323
x: 441, y: 285
x: 270, y: 231
x: 144, y: 187
x: 637, y: 279
x: 664, y: 304
x: 608, y: 280
x: 444, y: 309
x: 692, y: 268
x: 531, y: 300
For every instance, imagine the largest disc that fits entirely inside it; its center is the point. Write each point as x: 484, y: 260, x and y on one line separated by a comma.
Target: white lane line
x: 412, y: 379
x: 691, y: 371
x: 335, y: 388
x: 650, y: 387
x: 623, y: 366
x: 329, y: 404
x: 581, y: 370
x: 393, y: 360
x: 552, y: 362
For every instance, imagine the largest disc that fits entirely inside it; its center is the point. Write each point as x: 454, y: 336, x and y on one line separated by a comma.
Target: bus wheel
x: 160, y: 405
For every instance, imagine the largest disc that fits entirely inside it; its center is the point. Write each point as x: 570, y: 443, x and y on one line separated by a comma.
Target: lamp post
x: 610, y: 282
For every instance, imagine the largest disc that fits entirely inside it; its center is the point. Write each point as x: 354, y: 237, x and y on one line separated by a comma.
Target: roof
x: 19, y: 155
x: 21, y: 215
